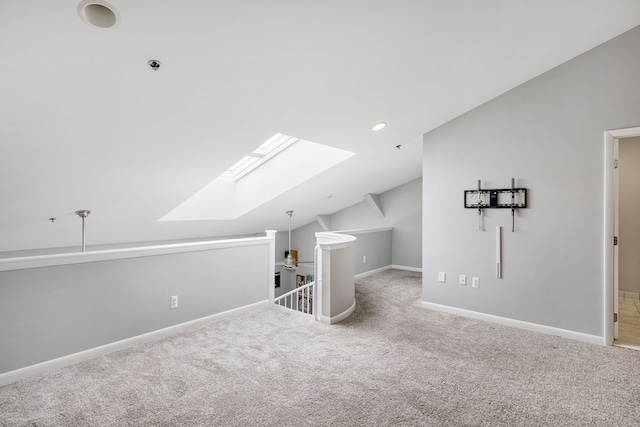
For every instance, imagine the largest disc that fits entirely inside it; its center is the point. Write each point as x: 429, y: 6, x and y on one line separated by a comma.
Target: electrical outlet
x: 463, y: 279
x: 475, y: 282
x: 442, y: 277
x: 174, y: 301
x: 364, y: 259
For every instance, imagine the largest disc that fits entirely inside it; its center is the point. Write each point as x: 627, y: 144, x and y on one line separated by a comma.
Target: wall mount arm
x: 501, y: 198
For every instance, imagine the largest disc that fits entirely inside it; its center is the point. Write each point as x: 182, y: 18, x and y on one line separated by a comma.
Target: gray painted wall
x: 547, y: 133
x: 282, y: 244
x: 338, y: 277
x: 629, y: 194
x: 357, y: 216
x: 304, y: 240
x: 402, y: 207
x: 55, y: 311
x: 403, y: 211
x: 287, y: 281
x: 376, y: 246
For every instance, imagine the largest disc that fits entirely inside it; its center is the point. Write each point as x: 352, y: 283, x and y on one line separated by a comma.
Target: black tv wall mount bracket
x: 503, y: 198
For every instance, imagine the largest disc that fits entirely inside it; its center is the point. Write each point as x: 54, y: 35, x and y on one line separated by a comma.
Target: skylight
x: 260, y: 155
x: 278, y: 165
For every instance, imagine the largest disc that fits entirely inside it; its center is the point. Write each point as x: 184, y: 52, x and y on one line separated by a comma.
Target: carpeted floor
x: 390, y: 363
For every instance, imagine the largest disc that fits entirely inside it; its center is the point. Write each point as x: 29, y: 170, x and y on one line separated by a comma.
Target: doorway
x: 628, y: 251
x: 619, y: 302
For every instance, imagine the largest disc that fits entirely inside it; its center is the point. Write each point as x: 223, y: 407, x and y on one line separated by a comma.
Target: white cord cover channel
x: 499, y: 252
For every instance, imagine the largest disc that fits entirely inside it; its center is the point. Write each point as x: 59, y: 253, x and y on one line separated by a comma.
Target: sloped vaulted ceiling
x: 85, y: 123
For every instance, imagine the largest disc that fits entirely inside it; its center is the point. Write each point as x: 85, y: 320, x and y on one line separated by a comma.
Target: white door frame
x: 616, y: 232
x: 611, y: 138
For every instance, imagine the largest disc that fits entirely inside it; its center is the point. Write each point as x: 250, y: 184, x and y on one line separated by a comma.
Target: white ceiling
x: 86, y: 124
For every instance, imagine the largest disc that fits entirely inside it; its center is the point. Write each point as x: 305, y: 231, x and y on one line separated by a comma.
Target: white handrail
x: 307, y: 294
x: 37, y: 261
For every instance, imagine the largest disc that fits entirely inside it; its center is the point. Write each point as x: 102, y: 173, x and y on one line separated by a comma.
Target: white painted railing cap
x: 329, y: 241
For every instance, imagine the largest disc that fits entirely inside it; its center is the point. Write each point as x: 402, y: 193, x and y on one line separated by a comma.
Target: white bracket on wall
x: 374, y: 202
x: 325, y: 222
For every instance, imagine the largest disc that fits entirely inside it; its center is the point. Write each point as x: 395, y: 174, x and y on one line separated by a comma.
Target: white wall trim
x: 364, y: 230
x: 111, y: 254
x: 388, y: 267
x: 564, y: 333
x: 402, y: 267
x: 19, y: 374
x: 609, y: 223
x: 372, y: 272
x: 339, y: 317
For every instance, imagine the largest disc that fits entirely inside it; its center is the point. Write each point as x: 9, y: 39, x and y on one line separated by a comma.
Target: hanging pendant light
x: 289, y: 261
x: 82, y: 214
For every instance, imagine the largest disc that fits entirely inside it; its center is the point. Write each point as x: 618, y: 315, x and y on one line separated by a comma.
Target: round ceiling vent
x: 98, y: 13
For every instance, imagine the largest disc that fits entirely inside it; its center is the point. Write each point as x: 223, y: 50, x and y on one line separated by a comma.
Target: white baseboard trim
x: 372, y: 272
x: 388, y: 267
x: 340, y: 317
x: 18, y: 374
x: 550, y: 330
x: 402, y: 267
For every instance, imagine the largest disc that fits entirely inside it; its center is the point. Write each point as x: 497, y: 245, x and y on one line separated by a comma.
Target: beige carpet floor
x: 392, y: 363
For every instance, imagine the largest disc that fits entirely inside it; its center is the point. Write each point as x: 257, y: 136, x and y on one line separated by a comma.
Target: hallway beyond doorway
x: 628, y: 324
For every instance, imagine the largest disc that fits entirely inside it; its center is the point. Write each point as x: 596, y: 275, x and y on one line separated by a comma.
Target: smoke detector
x: 154, y: 64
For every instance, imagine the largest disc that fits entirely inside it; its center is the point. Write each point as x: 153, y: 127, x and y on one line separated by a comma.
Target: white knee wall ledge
x: 549, y: 330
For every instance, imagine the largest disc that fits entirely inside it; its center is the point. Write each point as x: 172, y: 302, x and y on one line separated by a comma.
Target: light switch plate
x: 475, y: 282
x: 463, y: 279
x: 442, y: 277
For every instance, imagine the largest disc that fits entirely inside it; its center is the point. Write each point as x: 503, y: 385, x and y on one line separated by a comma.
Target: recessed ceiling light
x: 98, y: 13
x: 378, y: 126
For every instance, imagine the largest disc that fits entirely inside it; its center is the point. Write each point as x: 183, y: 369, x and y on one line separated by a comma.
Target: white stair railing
x: 338, y: 250
x: 307, y: 298
x: 301, y: 299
